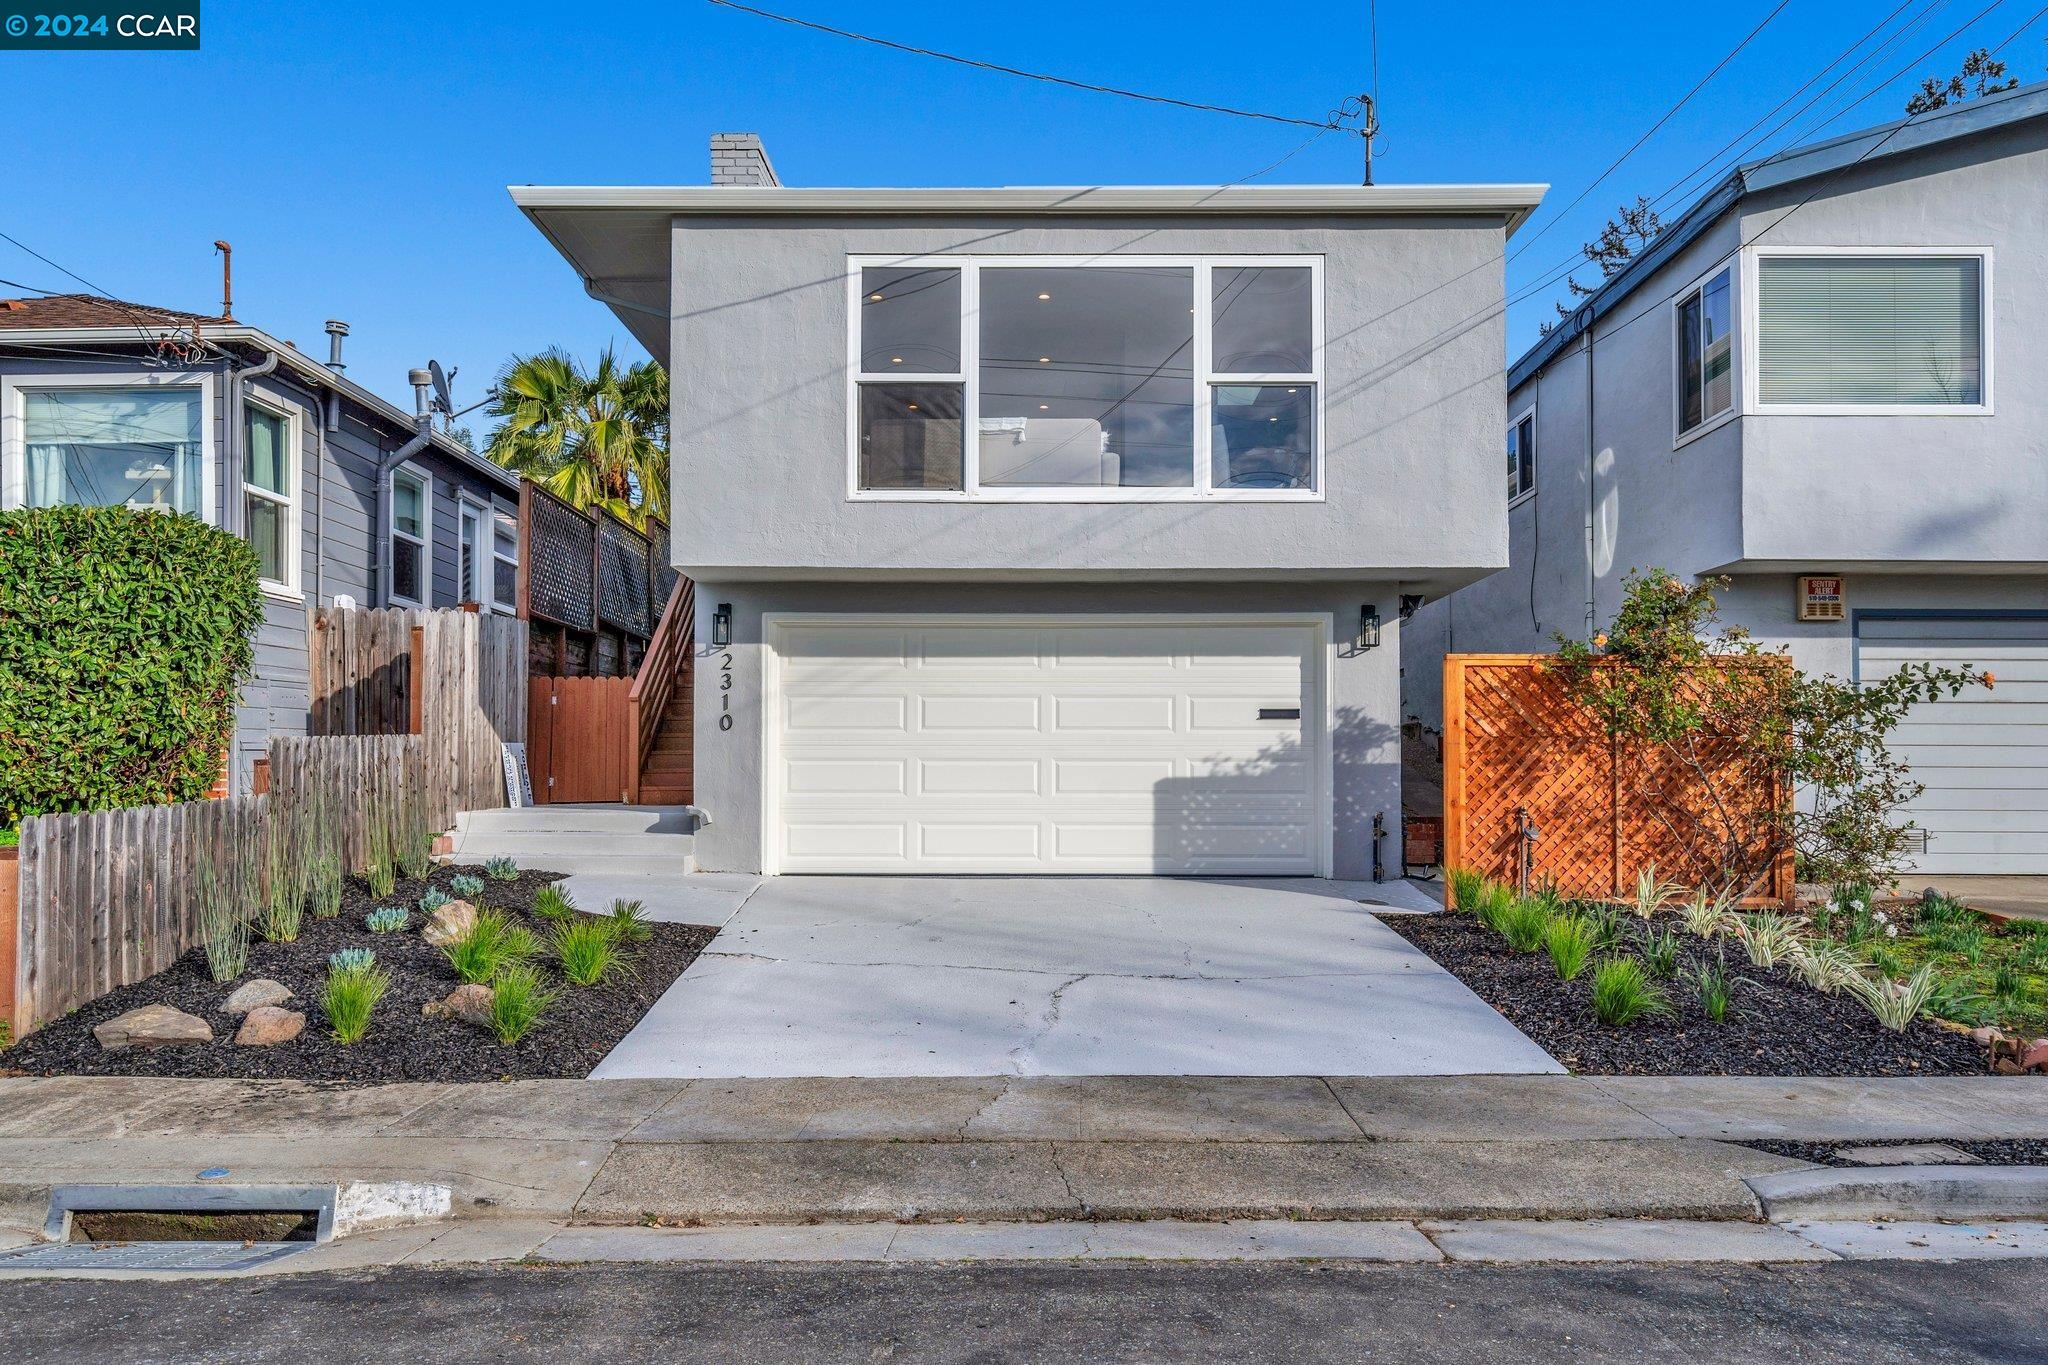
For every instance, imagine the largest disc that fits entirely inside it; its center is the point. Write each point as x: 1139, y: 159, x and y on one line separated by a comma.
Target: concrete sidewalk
x: 794, y: 1151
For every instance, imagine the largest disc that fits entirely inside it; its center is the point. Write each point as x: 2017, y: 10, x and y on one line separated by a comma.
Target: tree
x: 1982, y: 74
x: 1633, y: 227
x: 1673, y: 686
x: 598, y: 439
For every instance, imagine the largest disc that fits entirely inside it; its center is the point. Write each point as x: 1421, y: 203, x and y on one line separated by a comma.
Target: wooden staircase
x: 662, y: 707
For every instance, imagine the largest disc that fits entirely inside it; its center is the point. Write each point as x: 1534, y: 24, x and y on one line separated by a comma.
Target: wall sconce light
x: 721, y: 626
x: 1368, y: 627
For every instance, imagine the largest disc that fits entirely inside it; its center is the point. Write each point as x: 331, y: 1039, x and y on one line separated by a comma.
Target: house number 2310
x: 725, y: 691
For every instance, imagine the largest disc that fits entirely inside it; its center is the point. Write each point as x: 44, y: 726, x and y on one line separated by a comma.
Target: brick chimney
x: 740, y: 159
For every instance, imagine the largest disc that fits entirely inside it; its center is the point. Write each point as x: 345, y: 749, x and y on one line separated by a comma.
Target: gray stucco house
x: 1827, y: 379
x: 344, y: 496
x: 1059, y: 530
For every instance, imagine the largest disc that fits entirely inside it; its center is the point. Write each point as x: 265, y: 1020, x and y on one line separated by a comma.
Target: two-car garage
x: 1046, y: 745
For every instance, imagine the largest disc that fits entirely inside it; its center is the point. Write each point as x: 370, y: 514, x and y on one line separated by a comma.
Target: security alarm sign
x: 1820, y: 598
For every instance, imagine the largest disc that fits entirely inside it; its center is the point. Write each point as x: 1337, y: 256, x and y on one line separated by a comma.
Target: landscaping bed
x: 1775, y: 1024
x: 579, y: 1026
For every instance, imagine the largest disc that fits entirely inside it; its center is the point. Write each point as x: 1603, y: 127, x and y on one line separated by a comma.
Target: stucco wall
x: 1364, y: 687
x: 1412, y: 409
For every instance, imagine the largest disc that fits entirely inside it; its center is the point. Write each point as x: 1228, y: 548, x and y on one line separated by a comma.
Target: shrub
x: 552, y: 902
x: 1896, y: 1003
x: 517, y: 1003
x: 432, y: 899
x: 126, y: 637
x: 587, y: 950
x: 1624, y: 993
x: 502, y: 870
x: 467, y: 886
x: 628, y: 922
x: 1660, y: 952
x: 1464, y: 885
x: 1714, y: 987
x: 492, y: 945
x: 386, y: 919
x: 1523, y: 925
x: 1569, y: 939
x: 351, y: 997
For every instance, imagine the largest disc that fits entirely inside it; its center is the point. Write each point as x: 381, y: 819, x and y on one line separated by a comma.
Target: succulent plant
x: 466, y: 885
x: 502, y: 870
x: 351, y: 960
x: 387, y: 919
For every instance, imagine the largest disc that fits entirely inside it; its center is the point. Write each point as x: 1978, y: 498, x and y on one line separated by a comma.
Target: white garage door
x: 1001, y: 745
x: 1982, y: 756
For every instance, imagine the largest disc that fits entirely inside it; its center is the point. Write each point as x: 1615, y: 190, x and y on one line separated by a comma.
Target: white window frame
x: 1527, y: 414
x: 491, y: 530
x: 1738, y: 303
x: 425, y: 542
x: 287, y: 587
x: 14, y: 391
x: 1204, y: 382
x: 478, y: 589
x: 1751, y: 323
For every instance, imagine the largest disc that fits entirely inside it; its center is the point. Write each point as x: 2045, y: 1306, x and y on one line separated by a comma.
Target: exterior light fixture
x: 874, y: 298
x: 1045, y: 407
x: 1368, y: 627
x: 911, y: 406
x: 1045, y: 360
x: 721, y: 626
x: 895, y: 360
x: 1044, y: 296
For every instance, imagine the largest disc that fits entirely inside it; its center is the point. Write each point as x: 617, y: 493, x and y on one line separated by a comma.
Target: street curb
x: 1832, y: 1193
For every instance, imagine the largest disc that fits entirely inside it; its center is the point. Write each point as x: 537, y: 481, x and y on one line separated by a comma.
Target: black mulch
x: 1990, y: 1151
x: 580, y: 1027
x: 1776, y: 1025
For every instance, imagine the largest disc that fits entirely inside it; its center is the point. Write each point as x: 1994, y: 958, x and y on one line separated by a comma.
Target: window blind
x: 1870, y: 330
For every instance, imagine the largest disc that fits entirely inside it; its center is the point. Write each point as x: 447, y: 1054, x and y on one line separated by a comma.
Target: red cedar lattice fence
x: 1514, y: 742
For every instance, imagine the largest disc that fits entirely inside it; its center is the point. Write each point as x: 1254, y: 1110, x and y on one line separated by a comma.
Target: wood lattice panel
x: 1514, y: 742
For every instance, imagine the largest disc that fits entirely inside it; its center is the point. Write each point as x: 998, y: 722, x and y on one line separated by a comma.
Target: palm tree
x: 597, y: 439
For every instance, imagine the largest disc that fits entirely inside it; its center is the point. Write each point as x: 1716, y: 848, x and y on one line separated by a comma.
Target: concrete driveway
x: 930, y: 976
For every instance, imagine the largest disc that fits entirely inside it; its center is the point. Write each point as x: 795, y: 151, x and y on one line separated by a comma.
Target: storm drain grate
x: 199, y: 1256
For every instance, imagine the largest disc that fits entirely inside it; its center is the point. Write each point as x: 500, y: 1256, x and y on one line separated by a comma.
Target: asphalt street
x: 1838, y: 1312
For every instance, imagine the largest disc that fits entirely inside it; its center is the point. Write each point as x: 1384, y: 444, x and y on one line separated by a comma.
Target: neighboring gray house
x: 1059, y: 530
x: 342, y: 494
x: 1828, y: 379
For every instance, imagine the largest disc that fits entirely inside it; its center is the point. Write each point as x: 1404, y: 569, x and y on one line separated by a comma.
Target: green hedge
x: 124, y: 637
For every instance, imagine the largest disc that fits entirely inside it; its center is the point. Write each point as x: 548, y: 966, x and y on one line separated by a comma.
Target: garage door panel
x: 1106, y: 748
x: 1982, y: 755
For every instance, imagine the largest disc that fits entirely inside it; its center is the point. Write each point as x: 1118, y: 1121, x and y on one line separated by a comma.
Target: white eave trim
x: 1515, y: 202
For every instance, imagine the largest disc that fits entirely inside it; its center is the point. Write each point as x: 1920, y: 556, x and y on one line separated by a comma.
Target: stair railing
x: 653, y: 686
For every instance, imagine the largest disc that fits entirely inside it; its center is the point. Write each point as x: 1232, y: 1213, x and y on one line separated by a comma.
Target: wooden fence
x: 593, y: 586
x: 1516, y: 748
x: 457, y: 678
x: 107, y: 898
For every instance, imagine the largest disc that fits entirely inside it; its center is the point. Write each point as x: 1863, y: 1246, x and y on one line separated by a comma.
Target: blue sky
x: 357, y: 156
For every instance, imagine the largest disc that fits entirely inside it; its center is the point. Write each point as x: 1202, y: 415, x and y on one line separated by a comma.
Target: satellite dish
x: 441, y: 378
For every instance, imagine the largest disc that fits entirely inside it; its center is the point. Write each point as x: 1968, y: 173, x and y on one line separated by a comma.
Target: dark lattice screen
x: 622, y: 596
x: 559, y: 586
x: 660, y: 563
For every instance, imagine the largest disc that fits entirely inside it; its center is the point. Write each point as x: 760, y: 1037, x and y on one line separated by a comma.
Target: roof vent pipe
x: 336, y: 330
x: 421, y: 381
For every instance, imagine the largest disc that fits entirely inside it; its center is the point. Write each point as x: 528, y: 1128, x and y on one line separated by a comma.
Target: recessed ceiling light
x: 1290, y: 390
x: 1045, y: 407
x: 1045, y: 360
x: 895, y: 360
x: 913, y: 407
x: 1045, y: 296
x: 874, y: 298
x: 1272, y: 419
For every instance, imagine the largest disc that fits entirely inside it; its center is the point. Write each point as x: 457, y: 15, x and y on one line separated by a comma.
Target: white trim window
x: 1704, y: 318
x: 504, y: 561
x: 1522, y: 456
x: 412, y: 533
x: 1892, y: 330
x: 1085, y: 379
x: 270, y: 493
x: 142, y: 439
x: 472, y: 551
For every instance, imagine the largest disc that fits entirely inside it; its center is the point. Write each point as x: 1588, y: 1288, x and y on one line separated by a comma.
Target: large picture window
x: 106, y: 446
x: 1864, y: 331
x: 1121, y: 378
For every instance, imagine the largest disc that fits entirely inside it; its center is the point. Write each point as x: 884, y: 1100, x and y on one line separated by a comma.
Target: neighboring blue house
x: 1828, y: 380
x: 344, y: 496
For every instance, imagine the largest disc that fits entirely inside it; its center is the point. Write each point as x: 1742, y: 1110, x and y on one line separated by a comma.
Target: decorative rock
x: 1987, y: 1035
x: 267, y: 1026
x: 2036, y: 1058
x: 451, y: 922
x: 469, y: 1004
x: 254, y: 995
x: 152, y: 1026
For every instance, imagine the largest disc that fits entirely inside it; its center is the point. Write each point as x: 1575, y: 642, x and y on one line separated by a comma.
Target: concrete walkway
x: 994, y: 976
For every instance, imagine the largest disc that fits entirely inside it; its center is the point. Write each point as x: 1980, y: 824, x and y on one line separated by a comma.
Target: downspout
x: 237, y: 444
x: 1592, y: 492
x: 423, y: 420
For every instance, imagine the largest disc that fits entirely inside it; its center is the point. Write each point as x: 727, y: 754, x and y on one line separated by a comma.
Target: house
x: 343, y: 495
x: 1058, y: 530
x: 1828, y: 380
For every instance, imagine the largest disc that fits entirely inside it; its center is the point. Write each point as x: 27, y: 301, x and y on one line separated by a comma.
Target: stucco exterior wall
x: 1363, y: 692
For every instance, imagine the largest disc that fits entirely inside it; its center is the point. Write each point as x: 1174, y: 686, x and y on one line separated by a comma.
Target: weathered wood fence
x: 456, y: 678
x: 107, y: 898
x: 1516, y: 748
